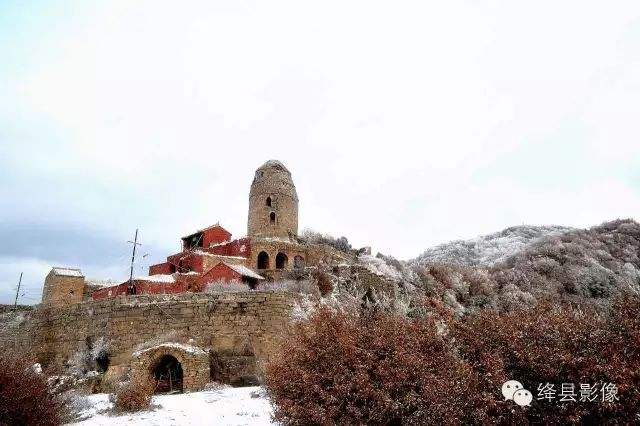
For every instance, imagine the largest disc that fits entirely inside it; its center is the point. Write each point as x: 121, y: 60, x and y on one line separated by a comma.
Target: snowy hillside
x: 226, y: 406
x: 487, y: 250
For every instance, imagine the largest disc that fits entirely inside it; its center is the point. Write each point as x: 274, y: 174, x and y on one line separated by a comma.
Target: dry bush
x: 309, y: 236
x: 221, y: 286
x: 134, y: 396
x: 324, y: 283
x: 550, y: 344
x: 341, y: 368
x: 25, y: 398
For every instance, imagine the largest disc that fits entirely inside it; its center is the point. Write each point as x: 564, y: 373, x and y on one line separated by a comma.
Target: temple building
x: 270, y: 250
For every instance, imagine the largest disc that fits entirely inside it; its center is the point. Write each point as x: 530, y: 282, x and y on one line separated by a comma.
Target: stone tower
x: 273, y: 203
x: 63, y: 286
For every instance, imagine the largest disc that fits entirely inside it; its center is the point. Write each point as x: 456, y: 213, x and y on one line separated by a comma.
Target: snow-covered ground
x: 226, y: 406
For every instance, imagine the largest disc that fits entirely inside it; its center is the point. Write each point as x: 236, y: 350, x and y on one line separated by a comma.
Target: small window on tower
x: 272, y: 216
x: 269, y: 201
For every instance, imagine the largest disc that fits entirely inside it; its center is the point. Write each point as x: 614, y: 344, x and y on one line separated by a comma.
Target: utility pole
x: 15, y: 304
x: 132, y: 287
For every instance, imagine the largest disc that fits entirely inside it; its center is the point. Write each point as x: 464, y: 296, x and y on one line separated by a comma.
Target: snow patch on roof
x: 224, y: 243
x: 244, y: 271
x: 220, y: 256
x: 102, y: 283
x: 67, y: 272
x: 184, y: 348
x: 157, y: 278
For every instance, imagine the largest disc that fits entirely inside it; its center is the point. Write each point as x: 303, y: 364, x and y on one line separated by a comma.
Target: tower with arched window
x: 273, y: 203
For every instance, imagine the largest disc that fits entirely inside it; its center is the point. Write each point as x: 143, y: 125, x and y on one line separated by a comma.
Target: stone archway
x: 172, y: 367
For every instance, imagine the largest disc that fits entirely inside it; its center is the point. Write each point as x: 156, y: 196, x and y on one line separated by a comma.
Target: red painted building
x: 207, y: 256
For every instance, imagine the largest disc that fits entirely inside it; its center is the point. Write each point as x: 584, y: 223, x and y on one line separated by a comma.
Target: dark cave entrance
x: 168, y: 375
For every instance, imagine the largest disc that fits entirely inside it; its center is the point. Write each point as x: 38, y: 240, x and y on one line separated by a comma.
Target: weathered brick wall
x: 227, y: 323
x: 60, y: 289
x: 15, y: 329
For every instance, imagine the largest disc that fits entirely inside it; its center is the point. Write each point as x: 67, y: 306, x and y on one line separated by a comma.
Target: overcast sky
x: 404, y: 124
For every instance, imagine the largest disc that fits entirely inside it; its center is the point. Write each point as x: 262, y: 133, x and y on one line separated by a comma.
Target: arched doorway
x: 167, y: 375
x: 263, y: 260
x: 281, y: 261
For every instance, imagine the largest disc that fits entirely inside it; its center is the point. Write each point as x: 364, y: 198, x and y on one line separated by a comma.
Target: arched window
x: 272, y: 218
x: 298, y: 262
x: 269, y: 201
x: 263, y: 260
x: 281, y: 261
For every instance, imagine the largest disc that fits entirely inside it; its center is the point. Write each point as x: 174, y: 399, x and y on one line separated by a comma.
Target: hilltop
x: 525, y: 264
x: 488, y: 250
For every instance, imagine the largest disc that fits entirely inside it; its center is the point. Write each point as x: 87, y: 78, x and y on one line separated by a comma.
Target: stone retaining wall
x: 244, y: 323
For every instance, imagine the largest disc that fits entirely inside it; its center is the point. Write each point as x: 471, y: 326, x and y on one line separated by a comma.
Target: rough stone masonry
x: 241, y: 328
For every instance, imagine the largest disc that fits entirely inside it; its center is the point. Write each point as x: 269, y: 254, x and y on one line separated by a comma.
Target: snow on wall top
x: 244, y: 271
x: 379, y: 267
x: 67, y: 272
x: 184, y: 348
x: 488, y: 250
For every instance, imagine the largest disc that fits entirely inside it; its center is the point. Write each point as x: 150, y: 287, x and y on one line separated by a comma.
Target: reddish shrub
x: 24, y: 395
x: 134, y: 396
x: 549, y: 344
x: 324, y: 283
x: 341, y: 368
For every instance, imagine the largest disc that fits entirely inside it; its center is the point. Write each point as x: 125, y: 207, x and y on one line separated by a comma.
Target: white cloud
x: 154, y: 114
